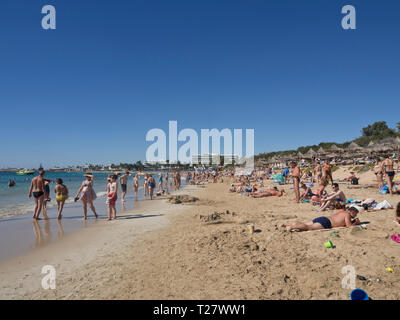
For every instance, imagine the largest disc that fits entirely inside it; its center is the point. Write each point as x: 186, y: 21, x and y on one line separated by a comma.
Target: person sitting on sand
x: 336, y: 199
x: 320, y: 192
x: 307, y: 194
x: 345, y: 218
x: 398, y: 213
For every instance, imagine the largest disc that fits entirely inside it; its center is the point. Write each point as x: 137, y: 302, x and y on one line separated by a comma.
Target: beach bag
x: 384, y: 190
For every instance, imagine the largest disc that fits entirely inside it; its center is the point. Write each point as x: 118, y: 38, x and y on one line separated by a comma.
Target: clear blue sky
x: 89, y: 91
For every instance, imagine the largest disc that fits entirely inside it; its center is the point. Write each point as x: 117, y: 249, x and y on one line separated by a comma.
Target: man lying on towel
x: 346, y: 218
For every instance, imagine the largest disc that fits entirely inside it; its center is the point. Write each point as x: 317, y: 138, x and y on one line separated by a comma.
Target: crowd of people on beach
x: 252, y: 185
x: 40, y: 190
x: 321, y: 175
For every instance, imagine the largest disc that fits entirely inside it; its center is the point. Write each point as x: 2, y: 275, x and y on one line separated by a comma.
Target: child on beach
x: 112, y: 191
x: 61, y: 192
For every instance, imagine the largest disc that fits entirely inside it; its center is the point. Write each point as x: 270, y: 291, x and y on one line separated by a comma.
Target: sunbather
x: 267, y: 193
x: 346, y: 218
x: 307, y: 194
x: 398, y: 213
x: 337, y: 199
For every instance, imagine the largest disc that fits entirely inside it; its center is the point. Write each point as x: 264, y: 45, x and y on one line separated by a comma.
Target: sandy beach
x: 203, y: 250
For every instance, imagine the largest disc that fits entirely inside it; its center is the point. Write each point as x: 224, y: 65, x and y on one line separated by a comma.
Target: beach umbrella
x: 300, y: 155
x: 354, y: 146
x: 335, y: 148
x: 311, y: 152
x: 321, y: 151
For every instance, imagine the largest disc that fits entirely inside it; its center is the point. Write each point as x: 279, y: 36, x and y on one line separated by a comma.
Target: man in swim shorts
x: 37, y: 189
x: 388, y: 169
x: 337, y: 198
x: 346, y: 218
x: 123, y: 180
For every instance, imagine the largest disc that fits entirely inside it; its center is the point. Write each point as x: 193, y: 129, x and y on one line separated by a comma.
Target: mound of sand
x: 183, y: 198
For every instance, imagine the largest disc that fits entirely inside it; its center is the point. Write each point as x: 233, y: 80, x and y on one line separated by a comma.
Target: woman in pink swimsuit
x: 88, y: 195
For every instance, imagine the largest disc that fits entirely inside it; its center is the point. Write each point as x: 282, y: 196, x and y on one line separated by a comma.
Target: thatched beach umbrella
x: 335, y: 148
x: 321, y: 151
x: 354, y: 146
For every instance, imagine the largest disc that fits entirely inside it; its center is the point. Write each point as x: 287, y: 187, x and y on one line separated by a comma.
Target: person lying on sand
x: 352, y: 179
x: 267, y: 193
x: 346, y: 218
x: 336, y: 199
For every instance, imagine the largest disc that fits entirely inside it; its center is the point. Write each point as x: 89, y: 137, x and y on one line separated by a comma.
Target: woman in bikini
x: 88, y: 195
x: 61, y: 192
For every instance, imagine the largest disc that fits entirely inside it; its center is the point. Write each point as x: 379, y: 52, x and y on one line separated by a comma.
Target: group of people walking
x: 40, y: 190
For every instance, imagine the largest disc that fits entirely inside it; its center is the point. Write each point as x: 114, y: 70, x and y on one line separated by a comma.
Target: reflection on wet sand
x: 60, y: 234
x: 43, y: 238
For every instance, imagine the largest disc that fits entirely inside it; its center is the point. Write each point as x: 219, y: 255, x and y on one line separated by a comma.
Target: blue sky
x: 89, y: 91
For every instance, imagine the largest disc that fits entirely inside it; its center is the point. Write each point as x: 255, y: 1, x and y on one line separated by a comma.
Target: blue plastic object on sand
x: 358, y: 294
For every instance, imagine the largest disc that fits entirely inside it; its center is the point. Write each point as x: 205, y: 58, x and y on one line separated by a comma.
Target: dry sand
x: 203, y: 250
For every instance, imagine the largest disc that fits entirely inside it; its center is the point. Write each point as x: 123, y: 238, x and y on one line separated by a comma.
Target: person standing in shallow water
x: 37, y: 190
x: 152, y: 185
x: 61, y: 192
x: 136, y: 185
x: 112, y: 196
x: 124, y: 181
x: 88, y: 195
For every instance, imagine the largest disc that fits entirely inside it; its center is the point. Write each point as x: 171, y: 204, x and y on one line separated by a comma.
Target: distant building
x: 214, y: 159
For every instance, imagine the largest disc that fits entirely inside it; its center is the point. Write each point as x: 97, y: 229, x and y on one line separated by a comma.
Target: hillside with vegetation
x: 373, y: 132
